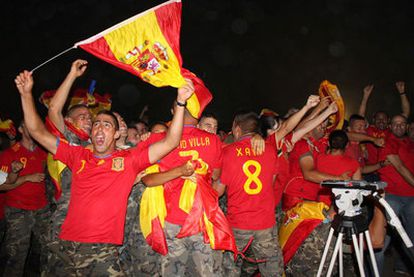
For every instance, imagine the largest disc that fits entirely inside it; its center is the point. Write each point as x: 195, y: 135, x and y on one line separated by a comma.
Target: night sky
x: 251, y: 54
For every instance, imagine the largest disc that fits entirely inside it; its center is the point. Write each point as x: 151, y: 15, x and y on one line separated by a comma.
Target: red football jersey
x: 404, y: 148
x: 29, y: 195
x: 250, y: 185
x: 99, y: 193
x: 194, y: 143
x: 353, y: 150
x: 373, y: 151
x: 297, y: 186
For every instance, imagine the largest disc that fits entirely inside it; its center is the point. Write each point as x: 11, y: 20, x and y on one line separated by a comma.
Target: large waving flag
x: 148, y: 45
x: 298, y: 223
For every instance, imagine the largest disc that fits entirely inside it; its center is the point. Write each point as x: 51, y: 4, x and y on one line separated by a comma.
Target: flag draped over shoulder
x: 148, y: 45
x: 55, y: 167
x: 152, y: 215
x: 95, y: 102
x: 200, y: 201
x: 7, y: 126
x: 297, y: 225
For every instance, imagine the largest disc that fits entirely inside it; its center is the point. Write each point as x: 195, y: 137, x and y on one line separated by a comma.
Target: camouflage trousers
x: 180, y: 251
x: 308, y: 256
x: 20, y: 225
x: 265, y: 246
x: 136, y: 256
x: 56, y: 257
x: 88, y: 259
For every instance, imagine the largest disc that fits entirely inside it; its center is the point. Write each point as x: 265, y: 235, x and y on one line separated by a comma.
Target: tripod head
x: 349, y: 194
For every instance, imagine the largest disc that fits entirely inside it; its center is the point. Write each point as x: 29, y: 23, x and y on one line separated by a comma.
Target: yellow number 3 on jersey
x: 252, y: 177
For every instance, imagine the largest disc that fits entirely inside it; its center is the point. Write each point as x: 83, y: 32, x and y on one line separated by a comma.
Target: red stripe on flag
x: 100, y: 49
x: 171, y: 27
x: 156, y: 239
x: 301, y: 232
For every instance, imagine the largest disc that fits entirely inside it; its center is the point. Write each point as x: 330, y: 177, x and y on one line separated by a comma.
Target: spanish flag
x: 336, y: 121
x: 55, y: 167
x: 148, y: 45
x: 298, y: 223
x: 7, y: 126
x: 95, y: 102
x: 152, y: 215
x: 200, y: 201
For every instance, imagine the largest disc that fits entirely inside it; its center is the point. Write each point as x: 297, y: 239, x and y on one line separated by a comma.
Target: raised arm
x: 365, y: 96
x: 405, y: 104
x: 58, y: 101
x: 352, y: 136
x: 171, y: 140
x: 311, y: 124
x: 294, y: 120
x: 24, y: 84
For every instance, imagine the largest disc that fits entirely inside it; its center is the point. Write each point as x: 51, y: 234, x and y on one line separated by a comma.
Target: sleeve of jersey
x: 66, y: 153
x: 390, y: 148
x: 219, y: 160
x: 224, y: 177
x: 301, y: 148
x: 5, y: 162
x: 140, y: 156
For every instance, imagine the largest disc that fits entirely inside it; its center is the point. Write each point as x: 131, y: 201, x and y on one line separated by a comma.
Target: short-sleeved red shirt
x: 353, y: 150
x: 197, y: 142
x: 373, y: 151
x: 99, y: 193
x: 249, y: 180
x: 297, y: 186
x: 29, y: 195
x: 404, y: 148
x: 336, y: 164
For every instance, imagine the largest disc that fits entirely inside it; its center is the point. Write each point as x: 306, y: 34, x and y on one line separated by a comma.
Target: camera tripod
x: 350, y: 223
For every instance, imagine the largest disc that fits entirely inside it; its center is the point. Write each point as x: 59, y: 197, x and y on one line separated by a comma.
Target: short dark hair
x: 208, y: 115
x: 158, y: 123
x: 267, y: 122
x: 338, y: 140
x: 73, y: 108
x: 247, y: 121
x: 355, y: 117
x: 111, y: 114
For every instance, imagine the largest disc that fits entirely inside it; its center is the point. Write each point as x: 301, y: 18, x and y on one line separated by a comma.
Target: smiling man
x: 101, y: 182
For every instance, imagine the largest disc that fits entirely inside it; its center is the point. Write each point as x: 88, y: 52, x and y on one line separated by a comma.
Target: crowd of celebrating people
x: 90, y: 195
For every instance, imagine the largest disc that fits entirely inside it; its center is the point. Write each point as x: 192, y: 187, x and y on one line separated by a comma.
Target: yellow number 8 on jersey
x: 252, y: 177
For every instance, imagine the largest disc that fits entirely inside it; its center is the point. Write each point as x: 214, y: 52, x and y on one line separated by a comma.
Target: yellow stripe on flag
x: 149, y: 49
x: 296, y: 215
x: 152, y: 205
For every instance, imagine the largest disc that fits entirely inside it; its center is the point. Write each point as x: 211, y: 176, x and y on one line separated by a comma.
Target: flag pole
x: 51, y: 59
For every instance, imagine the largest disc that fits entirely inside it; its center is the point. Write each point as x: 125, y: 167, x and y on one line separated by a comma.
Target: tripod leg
x: 341, y: 261
x: 335, y: 253
x: 361, y: 247
x: 357, y: 254
x: 325, y: 252
x: 371, y: 254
